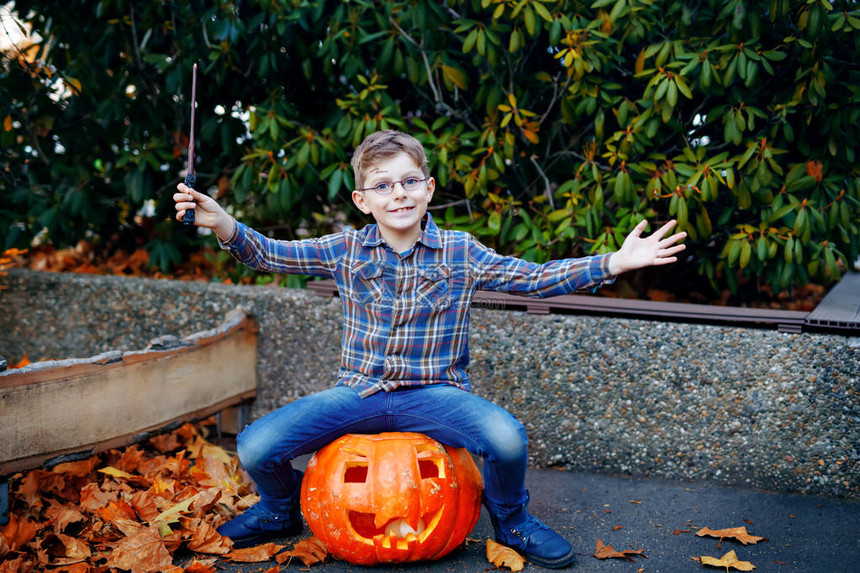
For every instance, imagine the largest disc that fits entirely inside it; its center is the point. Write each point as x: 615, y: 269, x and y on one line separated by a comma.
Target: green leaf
x: 746, y: 253
x: 494, y: 222
x: 334, y: 184
x: 683, y: 87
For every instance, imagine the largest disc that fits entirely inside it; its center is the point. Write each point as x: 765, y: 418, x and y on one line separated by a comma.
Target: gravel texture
x: 732, y: 406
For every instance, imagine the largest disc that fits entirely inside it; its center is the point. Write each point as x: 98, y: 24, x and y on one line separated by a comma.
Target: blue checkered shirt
x: 406, y: 315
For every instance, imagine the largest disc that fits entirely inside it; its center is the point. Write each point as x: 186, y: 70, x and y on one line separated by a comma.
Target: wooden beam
x: 54, y: 408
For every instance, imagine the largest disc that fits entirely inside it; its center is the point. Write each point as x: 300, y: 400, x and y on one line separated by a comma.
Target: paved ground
x: 806, y: 534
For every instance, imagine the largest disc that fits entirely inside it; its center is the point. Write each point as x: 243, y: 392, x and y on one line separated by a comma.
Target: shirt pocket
x: 434, y: 286
x: 367, y: 284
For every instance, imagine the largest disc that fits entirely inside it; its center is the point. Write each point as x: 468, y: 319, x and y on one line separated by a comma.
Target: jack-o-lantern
x: 391, y: 498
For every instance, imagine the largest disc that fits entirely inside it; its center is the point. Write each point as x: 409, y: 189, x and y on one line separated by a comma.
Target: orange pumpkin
x: 391, y: 497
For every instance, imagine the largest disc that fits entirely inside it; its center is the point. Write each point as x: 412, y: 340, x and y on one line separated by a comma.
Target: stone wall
x: 736, y: 406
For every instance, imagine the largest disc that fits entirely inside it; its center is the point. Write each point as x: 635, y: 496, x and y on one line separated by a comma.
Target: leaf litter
x: 137, y: 509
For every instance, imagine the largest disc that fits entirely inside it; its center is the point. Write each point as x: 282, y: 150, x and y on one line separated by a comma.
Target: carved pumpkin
x: 391, y: 497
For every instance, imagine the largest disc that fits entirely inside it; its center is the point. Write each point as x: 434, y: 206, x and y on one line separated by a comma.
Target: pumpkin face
x: 391, y: 497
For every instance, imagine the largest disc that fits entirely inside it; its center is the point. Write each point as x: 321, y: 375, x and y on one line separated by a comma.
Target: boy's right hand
x: 209, y: 213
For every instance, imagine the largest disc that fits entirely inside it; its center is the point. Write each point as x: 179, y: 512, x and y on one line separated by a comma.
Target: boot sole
x: 558, y: 563
x: 243, y: 542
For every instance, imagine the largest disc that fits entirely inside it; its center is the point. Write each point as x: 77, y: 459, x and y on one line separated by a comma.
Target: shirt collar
x: 430, y: 236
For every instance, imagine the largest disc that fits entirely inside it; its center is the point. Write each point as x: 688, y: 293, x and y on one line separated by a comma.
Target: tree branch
x: 547, y: 191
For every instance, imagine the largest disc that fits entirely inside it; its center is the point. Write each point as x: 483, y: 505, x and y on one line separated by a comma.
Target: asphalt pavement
x: 804, y: 533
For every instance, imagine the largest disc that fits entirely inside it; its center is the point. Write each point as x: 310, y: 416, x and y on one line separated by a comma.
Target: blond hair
x: 382, y: 145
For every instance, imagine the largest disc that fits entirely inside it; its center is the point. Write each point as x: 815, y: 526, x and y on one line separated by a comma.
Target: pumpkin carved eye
x: 430, y: 462
x: 355, y: 469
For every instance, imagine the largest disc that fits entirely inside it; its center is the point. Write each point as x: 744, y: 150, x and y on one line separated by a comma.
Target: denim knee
x: 254, y: 451
x: 507, y: 441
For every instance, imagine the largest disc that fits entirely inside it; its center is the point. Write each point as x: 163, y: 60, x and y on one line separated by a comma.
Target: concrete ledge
x: 735, y: 406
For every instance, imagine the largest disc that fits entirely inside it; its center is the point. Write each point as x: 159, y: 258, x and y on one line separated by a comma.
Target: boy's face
x: 399, y: 213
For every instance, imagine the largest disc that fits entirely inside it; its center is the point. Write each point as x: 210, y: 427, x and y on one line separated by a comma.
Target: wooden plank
x: 77, y: 405
x: 784, y: 320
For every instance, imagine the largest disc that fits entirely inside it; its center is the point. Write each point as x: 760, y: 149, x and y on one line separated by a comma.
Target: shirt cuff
x: 226, y: 244
x: 604, y: 277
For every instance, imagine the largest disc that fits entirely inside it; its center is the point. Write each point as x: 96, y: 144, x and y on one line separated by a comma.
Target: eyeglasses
x: 386, y: 187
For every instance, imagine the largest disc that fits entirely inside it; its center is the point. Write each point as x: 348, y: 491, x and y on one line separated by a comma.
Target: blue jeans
x: 443, y: 412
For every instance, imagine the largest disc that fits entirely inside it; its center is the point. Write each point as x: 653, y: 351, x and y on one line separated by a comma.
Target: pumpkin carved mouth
x: 396, y: 533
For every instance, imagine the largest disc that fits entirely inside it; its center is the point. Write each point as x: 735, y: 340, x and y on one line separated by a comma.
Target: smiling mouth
x: 402, y: 210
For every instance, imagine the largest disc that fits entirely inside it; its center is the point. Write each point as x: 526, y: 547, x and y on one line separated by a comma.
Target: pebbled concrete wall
x: 735, y: 406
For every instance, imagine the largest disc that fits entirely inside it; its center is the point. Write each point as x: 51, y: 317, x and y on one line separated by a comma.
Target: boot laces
x: 529, y: 526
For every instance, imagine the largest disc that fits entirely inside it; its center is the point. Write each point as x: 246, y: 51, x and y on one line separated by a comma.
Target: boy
x: 406, y: 288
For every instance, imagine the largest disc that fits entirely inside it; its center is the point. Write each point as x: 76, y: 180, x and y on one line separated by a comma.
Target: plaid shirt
x: 406, y: 316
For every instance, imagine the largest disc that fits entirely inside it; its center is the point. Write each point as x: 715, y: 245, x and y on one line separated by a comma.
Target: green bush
x: 553, y: 127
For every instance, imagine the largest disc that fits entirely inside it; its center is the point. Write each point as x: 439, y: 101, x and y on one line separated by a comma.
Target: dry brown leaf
x: 205, y: 539
x: 18, y: 532
x: 737, y: 533
x: 36, y: 483
x: 310, y: 551
x: 255, y: 554
x: 116, y: 510
x: 730, y: 559
x: 60, y: 516
x: 144, y: 504
x: 143, y: 552
x: 79, y: 468
x: 205, y: 566
x: 67, y: 550
x: 608, y: 552
x: 503, y: 556
x: 94, y: 498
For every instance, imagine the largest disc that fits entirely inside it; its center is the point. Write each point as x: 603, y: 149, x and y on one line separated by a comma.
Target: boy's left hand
x: 637, y: 252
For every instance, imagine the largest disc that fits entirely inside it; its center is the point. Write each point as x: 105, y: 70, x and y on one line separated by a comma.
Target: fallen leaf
x: 67, y: 549
x: 256, y: 554
x: 502, y: 556
x: 143, y: 552
x: 79, y: 468
x: 608, y: 552
x: 310, y: 551
x: 36, y: 483
x: 144, y: 504
x: 94, y: 498
x: 200, y: 567
x: 205, y: 539
x: 60, y: 516
x: 116, y: 510
x: 617, y: 527
x: 111, y: 471
x: 730, y: 559
x: 18, y: 532
x: 172, y: 516
x: 738, y: 533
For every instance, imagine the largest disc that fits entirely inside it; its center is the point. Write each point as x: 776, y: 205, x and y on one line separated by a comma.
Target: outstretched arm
x: 638, y: 252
